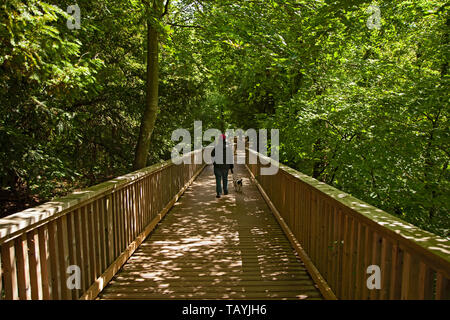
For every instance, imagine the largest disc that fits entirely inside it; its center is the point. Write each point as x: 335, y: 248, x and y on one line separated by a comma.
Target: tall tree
x: 155, y: 13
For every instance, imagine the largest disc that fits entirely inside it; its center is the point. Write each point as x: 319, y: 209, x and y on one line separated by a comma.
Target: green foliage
x: 363, y: 110
x: 71, y: 100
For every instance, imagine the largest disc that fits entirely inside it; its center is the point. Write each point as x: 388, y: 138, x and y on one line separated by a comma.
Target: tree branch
x: 166, y: 8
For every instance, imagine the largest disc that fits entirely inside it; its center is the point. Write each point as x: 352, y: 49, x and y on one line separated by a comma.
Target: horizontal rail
x: 343, y: 236
x: 89, y: 234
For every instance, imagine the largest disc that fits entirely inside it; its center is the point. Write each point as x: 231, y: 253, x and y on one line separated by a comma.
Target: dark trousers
x: 221, y: 178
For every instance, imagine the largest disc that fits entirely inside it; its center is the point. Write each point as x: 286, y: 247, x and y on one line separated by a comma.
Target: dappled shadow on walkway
x: 208, y: 248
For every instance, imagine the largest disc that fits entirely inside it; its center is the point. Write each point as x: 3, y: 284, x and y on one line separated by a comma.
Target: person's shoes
x: 225, y: 192
x: 218, y: 196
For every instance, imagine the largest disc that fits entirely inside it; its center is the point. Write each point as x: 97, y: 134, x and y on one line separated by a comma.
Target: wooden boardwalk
x: 208, y: 248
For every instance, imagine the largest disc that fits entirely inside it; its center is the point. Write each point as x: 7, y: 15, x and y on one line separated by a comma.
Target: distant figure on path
x: 223, y: 161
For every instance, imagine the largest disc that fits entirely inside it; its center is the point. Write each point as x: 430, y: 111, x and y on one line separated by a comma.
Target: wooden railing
x: 96, y: 229
x: 339, y: 237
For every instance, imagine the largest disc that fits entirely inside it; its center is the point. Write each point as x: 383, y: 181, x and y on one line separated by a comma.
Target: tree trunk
x: 151, y: 104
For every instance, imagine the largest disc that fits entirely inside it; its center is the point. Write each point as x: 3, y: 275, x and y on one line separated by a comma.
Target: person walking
x: 223, y: 161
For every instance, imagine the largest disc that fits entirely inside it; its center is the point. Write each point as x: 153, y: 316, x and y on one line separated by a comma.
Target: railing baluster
x: 132, y: 200
x: 407, y: 274
x: 297, y: 213
x: 118, y: 210
x: 346, y: 260
x: 9, y: 271
x: 119, y: 205
x: 109, y: 224
x: 136, y: 206
x: 33, y: 258
x: 396, y: 274
x: 97, y: 237
x: 44, y: 261
x: 63, y: 247
x: 126, y: 201
x: 310, y: 218
x: 425, y: 285
x: 72, y: 248
x: 53, y: 257
x: 386, y: 268
x: 360, y: 261
x: 353, y: 263
x: 86, y: 267
x: 113, y: 203
x: 335, y: 250
x: 368, y: 237
x: 145, y: 198
x: 330, y: 242
x: 92, y: 242
x: 340, y: 251
x: 23, y: 275
x: 78, y: 242
x: 376, y: 260
x: 321, y: 253
x: 102, y: 237
x: 442, y: 287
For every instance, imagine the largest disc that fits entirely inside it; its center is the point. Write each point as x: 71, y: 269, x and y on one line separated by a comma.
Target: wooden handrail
x: 342, y: 236
x: 96, y: 230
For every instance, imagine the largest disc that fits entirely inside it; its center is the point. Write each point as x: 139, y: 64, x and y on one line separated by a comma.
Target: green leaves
x: 349, y: 101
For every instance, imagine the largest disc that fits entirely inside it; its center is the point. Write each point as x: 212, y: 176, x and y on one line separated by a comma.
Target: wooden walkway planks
x: 208, y: 248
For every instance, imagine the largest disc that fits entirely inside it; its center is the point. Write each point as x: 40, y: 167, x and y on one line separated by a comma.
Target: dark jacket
x: 220, y: 161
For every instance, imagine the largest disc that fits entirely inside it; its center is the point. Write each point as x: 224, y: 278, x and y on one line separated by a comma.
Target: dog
x: 237, y: 183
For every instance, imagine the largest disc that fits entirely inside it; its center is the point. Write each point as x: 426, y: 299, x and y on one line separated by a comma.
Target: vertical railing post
x: 110, y: 233
x: 9, y: 270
